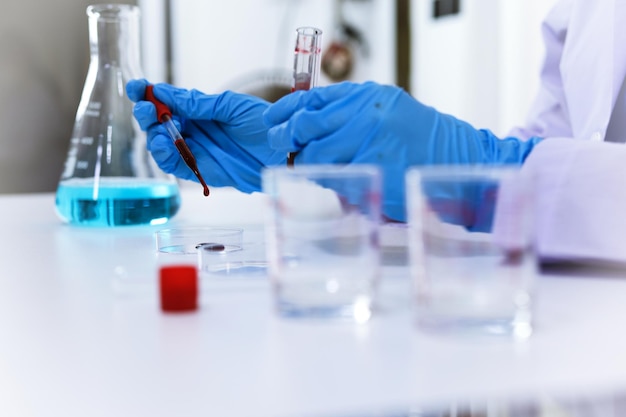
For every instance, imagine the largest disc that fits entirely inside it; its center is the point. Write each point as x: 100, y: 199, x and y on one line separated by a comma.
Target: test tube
x: 306, y: 64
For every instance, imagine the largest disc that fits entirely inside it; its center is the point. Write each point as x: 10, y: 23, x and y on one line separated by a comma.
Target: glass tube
x: 306, y: 64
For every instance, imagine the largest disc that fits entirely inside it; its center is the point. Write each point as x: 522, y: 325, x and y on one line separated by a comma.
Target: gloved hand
x: 225, y: 133
x: 382, y: 125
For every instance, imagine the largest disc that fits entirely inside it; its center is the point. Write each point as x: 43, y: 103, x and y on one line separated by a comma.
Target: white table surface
x: 74, y: 342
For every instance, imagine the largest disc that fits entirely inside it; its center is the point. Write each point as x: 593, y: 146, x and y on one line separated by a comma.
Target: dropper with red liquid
x: 164, y: 116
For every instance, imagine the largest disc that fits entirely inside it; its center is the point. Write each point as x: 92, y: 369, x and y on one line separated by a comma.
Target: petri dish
x: 231, y: 261
x: 187, y: 241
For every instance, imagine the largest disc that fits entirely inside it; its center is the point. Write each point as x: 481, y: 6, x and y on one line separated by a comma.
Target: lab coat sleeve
x: 580, y: 199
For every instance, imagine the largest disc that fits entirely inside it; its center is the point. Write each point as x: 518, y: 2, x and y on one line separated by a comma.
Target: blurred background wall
x: 479, y: 62
x: 45, y: 55
x: 476, y: 59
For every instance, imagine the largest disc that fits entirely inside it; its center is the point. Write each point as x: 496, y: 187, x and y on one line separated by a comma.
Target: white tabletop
x: 75, y: 340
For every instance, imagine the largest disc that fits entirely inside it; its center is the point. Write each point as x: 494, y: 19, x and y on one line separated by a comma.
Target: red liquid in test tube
x: 306, y: 64
x: 301, y: 81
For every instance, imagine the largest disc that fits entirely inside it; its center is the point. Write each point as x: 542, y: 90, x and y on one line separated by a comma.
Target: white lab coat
x: 580, y: 176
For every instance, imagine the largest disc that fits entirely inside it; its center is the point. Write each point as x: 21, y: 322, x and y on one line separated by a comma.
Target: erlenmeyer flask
x: 110, y: 179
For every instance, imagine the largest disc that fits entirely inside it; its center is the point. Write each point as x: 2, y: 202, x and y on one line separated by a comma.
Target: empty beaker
x: 109, y: 178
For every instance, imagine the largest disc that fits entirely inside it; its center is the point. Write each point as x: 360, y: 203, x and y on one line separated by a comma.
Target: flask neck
x: 114, y: 35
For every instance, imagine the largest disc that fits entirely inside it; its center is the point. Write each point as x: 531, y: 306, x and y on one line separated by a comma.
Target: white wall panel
x: 216, y: 41
x: 481, y: 65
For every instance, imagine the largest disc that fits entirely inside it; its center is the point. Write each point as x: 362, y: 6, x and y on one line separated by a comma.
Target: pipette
x: 164, y: 116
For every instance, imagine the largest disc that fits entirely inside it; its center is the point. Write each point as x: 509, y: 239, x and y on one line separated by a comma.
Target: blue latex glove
x: 469, y: 203
x: 383, y: 125
x: 225, y: 133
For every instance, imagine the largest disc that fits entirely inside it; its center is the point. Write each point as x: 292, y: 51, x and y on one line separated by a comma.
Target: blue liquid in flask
x: 117, y: 201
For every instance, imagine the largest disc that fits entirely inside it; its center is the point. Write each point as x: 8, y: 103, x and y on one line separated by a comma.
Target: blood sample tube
x: 306, y: 64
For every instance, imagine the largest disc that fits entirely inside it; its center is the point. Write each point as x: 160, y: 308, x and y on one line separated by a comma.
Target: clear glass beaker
x: 109, y: 178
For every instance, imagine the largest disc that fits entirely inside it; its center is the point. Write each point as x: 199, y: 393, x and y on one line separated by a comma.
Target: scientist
x: 566, y: 143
